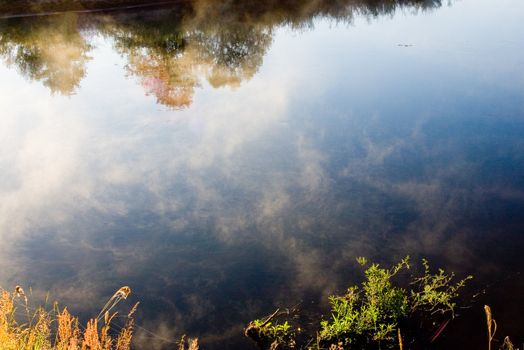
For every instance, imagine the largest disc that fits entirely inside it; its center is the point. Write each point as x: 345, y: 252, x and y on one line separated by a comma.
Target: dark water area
x: 224, y: 159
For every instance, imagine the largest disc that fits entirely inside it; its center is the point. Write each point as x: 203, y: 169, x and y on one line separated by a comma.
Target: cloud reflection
x: 218, y: 213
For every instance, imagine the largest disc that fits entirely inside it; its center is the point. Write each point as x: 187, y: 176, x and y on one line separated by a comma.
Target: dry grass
x: 192, y: 343
x: 492, y: 329
x: 492, y: 325
x: 37, y: 330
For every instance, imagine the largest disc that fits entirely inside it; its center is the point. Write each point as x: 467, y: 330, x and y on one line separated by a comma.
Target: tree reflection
x: 172, y: 49
x: 170, y: 60
x: 225, y: 59
x: 47, y: 50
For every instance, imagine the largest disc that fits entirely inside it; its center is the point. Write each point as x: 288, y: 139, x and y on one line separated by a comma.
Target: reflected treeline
x: 172, y: 48
x: 51, y: 50
x: 171, y: 55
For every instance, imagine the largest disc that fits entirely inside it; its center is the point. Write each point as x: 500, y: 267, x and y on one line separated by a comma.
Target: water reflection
x: 48, y: 50
x: 260, y: 196
x: 173, y: 48
x: 171, y: 63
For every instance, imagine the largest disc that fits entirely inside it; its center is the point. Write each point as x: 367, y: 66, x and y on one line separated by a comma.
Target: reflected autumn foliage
x: 171, y: 49
x: 171, y: 55
x: 51, y: 50
x: 221, y: 60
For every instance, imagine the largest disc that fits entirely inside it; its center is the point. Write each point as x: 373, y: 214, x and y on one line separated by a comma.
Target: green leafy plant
x: 275, y: 331
x: 435, y: 293
x: 369, y: 313
x: 372, y: 314
x: 272, y: 335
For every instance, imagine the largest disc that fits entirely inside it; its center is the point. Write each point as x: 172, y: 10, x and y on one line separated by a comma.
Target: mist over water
x: 224, y: 159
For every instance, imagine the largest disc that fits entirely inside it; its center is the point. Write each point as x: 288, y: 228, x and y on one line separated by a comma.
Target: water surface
x: 224, y: 159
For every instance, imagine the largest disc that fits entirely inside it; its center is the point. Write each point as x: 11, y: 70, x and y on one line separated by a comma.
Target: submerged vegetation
x: 381, y: 313
x: 22, y: 328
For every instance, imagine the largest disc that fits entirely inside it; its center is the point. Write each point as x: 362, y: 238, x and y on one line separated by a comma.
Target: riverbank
x: 38, y: 7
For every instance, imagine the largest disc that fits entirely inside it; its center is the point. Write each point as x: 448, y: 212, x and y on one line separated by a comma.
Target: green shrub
x: 271, y: 335
x: 370, y: 315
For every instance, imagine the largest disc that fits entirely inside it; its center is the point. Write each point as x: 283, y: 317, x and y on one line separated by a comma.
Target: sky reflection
x: 330, y: 141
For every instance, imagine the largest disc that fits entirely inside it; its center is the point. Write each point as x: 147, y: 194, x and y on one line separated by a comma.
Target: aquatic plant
x: 269, y: 334
x: 378, y: 313
x: 374, y: 312
x: 36, y: 332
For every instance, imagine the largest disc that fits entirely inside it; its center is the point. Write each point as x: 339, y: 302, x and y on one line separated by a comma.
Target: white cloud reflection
x: 270, y: 188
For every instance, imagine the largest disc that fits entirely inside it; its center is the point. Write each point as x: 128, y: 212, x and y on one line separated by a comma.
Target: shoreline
x: 27, y: 8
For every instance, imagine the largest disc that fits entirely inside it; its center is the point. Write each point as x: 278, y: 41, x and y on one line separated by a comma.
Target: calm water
x: 226, y: 160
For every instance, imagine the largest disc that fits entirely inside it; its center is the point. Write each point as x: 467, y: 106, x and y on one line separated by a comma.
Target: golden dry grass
x: 37, y: 329
x: 492, y: 325
x: 191, y: 343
